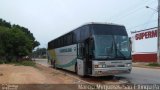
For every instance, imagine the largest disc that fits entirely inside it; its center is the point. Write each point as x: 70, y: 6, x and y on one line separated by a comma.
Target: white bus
x: 93, y: 49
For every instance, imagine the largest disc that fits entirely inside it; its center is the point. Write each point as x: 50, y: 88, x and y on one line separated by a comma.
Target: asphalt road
x: 143, y: 76
x: 137, y: 76
x: 43, y: 62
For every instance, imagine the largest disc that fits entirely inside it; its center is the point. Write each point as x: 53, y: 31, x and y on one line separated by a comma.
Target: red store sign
x: 146, y: 35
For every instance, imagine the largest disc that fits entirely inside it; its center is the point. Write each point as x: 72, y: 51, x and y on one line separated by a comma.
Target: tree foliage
x: 40, y: 53
x: 15, y: 41
x: 4, y: 23
x: 28, y: 34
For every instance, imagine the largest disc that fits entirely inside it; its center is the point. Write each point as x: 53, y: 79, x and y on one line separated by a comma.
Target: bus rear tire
x: 53, y: 63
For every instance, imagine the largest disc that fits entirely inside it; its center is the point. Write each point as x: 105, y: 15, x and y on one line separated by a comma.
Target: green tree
x: 3, y: 36
x: 21, y: 43
x: 4, y: 23
x: 40, y: 53
x: 28, y: 34
x: 15, y: 41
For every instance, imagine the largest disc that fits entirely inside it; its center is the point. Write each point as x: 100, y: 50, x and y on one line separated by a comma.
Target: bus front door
x: 80, y: 67
x: 88, y: 61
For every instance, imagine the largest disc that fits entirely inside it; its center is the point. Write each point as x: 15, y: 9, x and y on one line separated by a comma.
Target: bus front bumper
x: 107, y: 72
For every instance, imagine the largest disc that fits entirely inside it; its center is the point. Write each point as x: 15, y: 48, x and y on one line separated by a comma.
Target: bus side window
x: 81, y: 51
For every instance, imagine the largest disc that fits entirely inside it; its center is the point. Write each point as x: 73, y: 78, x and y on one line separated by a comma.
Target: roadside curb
x: 142, y: 66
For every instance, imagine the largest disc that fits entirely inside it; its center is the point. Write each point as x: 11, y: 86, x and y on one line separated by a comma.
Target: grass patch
x: 25, y: 63
x: 153, y: 64
x: 19, y: 63
x: 1, y: 61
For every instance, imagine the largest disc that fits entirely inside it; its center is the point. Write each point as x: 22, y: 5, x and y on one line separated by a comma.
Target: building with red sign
x: 144, y: 45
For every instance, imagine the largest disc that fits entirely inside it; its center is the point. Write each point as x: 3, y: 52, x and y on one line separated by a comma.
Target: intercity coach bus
x: 93, y: 49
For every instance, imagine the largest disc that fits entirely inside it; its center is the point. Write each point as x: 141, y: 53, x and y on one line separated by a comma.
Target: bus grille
x: 121, y: 66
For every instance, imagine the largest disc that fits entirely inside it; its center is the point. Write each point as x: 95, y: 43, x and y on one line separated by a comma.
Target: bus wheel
x: 53, y: 64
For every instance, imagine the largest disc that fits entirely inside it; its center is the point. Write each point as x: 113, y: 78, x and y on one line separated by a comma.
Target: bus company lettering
x: 66, y: 50
x: 146, y: 35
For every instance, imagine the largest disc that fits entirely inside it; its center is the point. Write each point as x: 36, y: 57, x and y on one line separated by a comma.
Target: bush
x: 27, y: 63
x: 154, y: 64
x: 18, y: 63
x: 24, y: 63
x: 1, y: 61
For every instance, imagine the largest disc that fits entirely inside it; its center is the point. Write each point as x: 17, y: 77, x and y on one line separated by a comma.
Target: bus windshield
x: 111, y: 47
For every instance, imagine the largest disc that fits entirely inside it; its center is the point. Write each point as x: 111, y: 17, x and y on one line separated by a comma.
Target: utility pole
x: 158, y: 34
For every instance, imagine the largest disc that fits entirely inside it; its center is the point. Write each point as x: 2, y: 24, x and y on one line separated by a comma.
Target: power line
x: 150, y: 18
x: 147, y: 23
x: 153, y: 21
x: 130, y: 11
x: 120, y: 13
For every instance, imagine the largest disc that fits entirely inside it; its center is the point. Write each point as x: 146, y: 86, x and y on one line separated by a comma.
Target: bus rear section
x: 96, y: 50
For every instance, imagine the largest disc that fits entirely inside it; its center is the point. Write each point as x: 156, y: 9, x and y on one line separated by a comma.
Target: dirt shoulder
x: 11, y: 74
x: 35, y: 78
x: 44, y: 78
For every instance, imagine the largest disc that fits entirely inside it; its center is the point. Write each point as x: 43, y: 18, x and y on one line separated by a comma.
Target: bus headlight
x: 100, y: 66
x: 104, y: 66
x: 128, y: 65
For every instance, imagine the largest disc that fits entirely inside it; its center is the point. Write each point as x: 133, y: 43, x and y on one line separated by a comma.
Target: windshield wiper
x: 109, y: 52
x: 116, y: 49
x: 122, y: 55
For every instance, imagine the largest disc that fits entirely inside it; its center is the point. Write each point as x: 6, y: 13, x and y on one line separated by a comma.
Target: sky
x: 49, y: 19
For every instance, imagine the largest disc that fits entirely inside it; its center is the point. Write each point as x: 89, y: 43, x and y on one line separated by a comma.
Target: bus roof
x: 90, y: 23
x: 106, y: 23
